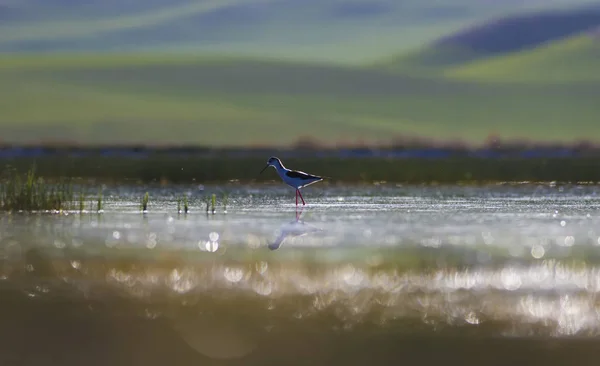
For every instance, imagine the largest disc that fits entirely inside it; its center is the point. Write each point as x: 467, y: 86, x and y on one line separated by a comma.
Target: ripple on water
x: 507, y: 260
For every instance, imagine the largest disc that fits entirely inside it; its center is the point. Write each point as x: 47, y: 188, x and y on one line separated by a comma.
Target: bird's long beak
x: 264, y: 169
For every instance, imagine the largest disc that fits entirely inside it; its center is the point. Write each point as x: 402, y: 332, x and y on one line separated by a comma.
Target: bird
x: 293, y: 178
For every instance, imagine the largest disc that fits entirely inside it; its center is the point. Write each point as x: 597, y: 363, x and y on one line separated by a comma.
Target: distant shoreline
x: 409, y: 165
x: 410, y: 150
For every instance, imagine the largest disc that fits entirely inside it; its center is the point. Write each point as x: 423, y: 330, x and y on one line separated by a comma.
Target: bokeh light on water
x: 492, y: 261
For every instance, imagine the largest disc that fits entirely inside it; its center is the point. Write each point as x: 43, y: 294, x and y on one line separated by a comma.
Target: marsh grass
x: 212, y: 201
x: 182, y: 200
x: 81, y: 201
x: 29, y: 192
x: 99, y: 205
x: 145, y: 200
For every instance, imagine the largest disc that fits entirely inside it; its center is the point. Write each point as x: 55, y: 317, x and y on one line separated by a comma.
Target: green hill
x: 530, y: 78
x: 149, y: 98
x: 573, y: 60
x: 324, y: 30
x: 520, y: 32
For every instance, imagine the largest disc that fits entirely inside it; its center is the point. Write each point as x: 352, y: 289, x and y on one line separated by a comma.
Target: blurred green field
x: 271, y: 72
x: 312, y: 30
x: 573, y: 60
x: 164, y: 99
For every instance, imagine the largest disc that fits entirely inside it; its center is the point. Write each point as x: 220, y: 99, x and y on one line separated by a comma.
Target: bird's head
x: 273, y: 161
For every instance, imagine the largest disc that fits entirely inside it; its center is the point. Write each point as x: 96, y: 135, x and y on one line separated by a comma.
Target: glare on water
x: 502, y: 260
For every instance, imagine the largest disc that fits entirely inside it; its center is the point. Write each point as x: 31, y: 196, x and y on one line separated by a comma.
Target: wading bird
x: 292, y: 178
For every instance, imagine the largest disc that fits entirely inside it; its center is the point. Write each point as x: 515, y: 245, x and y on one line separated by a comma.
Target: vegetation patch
x: 29, y: 192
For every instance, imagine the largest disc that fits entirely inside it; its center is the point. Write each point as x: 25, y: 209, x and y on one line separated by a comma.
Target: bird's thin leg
x: 296, y: 197
x: 301, y: 197
x: 298, y: 213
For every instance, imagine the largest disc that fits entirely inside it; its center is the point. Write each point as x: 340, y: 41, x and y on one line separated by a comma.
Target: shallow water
x: 384, y: 271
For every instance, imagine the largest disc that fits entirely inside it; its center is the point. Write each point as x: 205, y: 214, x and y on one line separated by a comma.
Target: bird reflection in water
x: 293, y: 229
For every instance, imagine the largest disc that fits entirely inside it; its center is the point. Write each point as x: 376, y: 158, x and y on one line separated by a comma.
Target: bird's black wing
x: 301, y: 175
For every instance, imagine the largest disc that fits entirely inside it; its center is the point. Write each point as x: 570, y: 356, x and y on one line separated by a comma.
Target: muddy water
x: 385, y: 274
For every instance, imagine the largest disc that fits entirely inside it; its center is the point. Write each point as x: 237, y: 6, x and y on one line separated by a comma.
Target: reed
x: 31, y: 193
x: 99, y: 205
x: 225, y: 200
x: 81, y: 201
x: 145, y: 200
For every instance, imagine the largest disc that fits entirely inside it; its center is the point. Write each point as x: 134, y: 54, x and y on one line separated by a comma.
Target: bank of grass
x: 200, y: 170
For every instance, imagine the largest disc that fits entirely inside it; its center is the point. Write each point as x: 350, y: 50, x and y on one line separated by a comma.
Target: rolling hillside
x: 331, y: 30
x: 532, y: 76
x: 574, y: 60
x: 500, y: 37
x: 233, y: 101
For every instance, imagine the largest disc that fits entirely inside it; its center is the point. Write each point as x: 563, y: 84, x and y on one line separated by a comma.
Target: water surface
x: 383, y: 271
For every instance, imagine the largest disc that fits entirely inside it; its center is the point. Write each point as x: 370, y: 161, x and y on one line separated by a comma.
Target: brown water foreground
x: 70, y: 332
x: 101, y: 311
